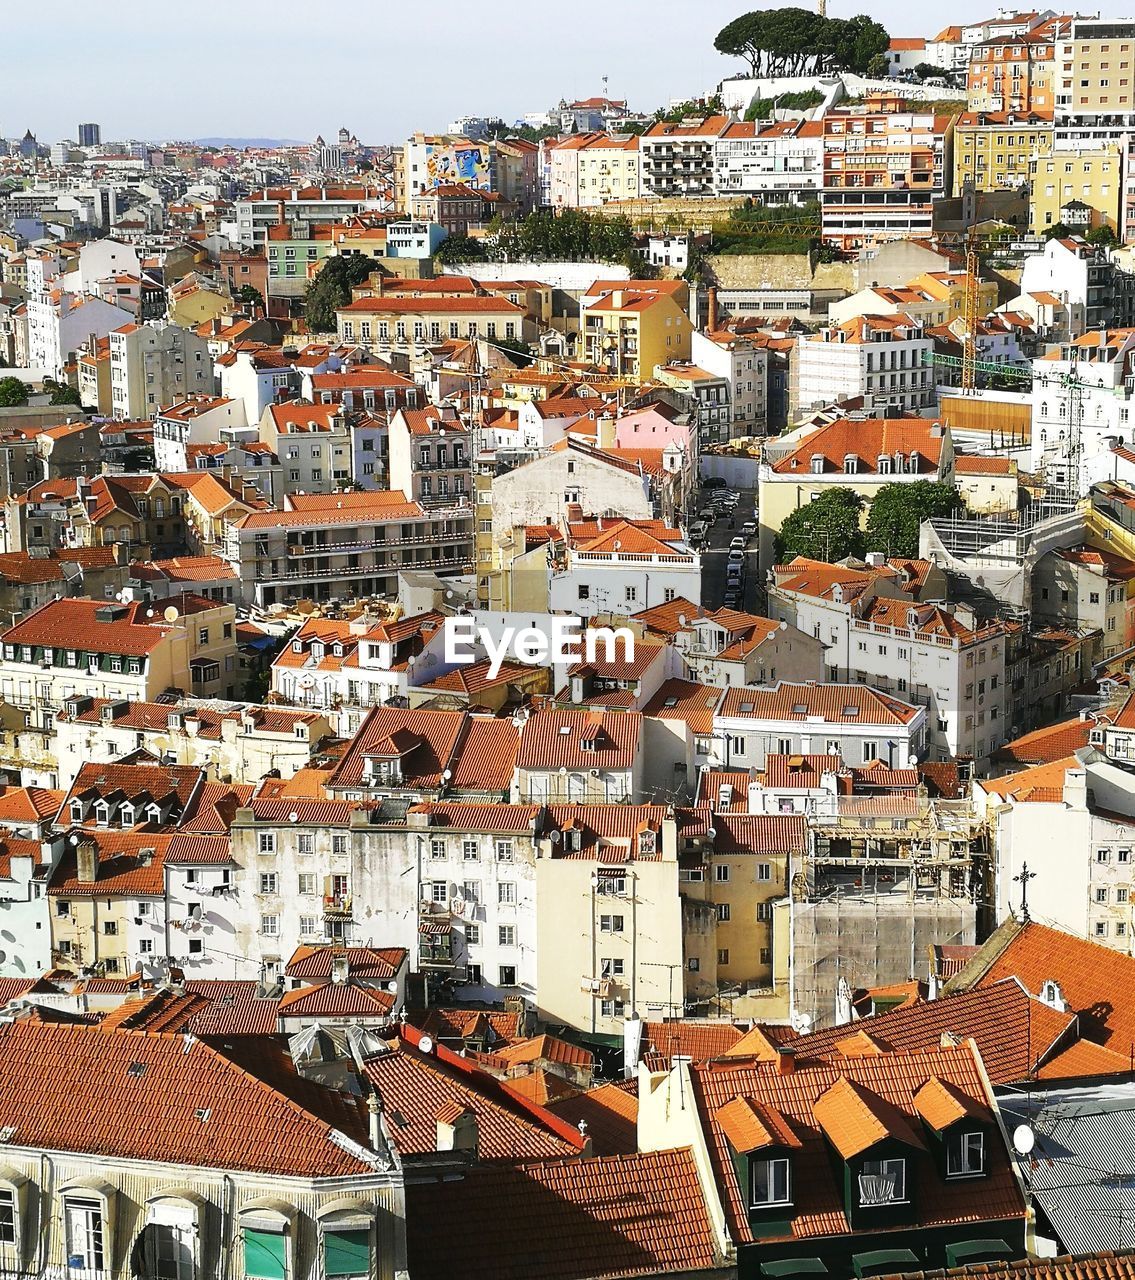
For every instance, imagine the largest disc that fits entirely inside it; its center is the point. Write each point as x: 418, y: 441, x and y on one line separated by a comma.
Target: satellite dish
x: 293, y: 816
x: 392, y: 986
x: 446, y: 774
x: 426, y: 1044
x: 1024, y: 1139
x: 170, y: 614
x: 74, y: 839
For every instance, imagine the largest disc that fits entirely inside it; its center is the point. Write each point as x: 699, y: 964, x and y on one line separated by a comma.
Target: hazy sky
x: 280, y: 68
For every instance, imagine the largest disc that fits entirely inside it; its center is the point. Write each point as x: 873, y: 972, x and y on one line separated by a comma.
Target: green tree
x: 827, y: 529
x: 66, y: 395
x: 331, y: 289
x: 1101, y: 235
x: 792, y: 41
x: 927, y: 70
x: 898, y: 511
x: 457, y: 249
x: 877, y: 68
x: 1057, y: 231
x: 249, y: 296
x: 12, y: 393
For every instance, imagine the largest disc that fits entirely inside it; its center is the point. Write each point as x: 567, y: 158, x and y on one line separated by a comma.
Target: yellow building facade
x: 995, y: 150
x: 1083, y: 189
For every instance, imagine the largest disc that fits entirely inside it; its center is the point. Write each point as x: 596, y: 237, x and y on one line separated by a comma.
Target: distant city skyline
x: 276, y: 70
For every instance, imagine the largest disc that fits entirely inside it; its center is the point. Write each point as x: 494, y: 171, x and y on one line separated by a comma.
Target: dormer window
x: 76, y: 811
x: 102, y: 813
x: 317, y: 651
x: 153, y: 813
x: 882, y: 1182
x: 965, y: 1154
x: 297, y: 646
x: 817, y: 464
x: 126, y: 815
x: 884, y: 465
x: 850, y: 464
x: 770, y: 1182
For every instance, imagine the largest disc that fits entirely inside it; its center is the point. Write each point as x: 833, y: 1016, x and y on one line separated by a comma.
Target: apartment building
x: 588, y: 169
x: 778, y: 164
x: 77, y: 647
x: 629, y: 327
x: 942, y: 658
x: 410, y: 324
x: 678, y: 159
x: 1079, y: 187
x: 860, y: 454
x: 620, y: 567
x: 1012, y: 73
x: 198, y: 419
x: 1000, y: 150
x: 301, y: 207
x: 884, y: 167
x: 852, y: 721
x: 343, y: 545
x: 884, y: 359
x: 152, y: 365
x: 60, y: 325
x: 744, y: 366
x: 431, y: 455
x: 1083, y: 588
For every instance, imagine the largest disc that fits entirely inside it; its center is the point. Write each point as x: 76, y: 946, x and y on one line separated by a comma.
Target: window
x: 1121, y: 895
x: 721, y: 873
x: 612, y: 968
x: 305, y: 842
x: 339, y: 844
x: 768, y: 1183
x: 470, y: 850
x: 506, y: 893
x: 437, y: 848
x: 7, y: 1217
x: 472, y: 934
x: 610, y: 924
x: 764, y: 870
x: 965, y: 1155
x: 1101, y: 895
x: 723, y: 955
x: 270, y: 926
x: 267, y: 842
x: 265, y: 1254
x: 723, y: 912
x: 504, y: 850
x: 508, y: 975
x: 346, y: 1253
x: 439, y: 891
x: 882, y: 1182
x: 268, y: 882
x: 306, y: 883
x: 85, y: 1232
x: 1102, y: 855
x: 506, y: 935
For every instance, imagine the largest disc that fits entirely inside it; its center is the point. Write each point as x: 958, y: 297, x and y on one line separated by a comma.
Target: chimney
x: 374, y: 1123
x: 711, y: 316
x: 785, y: 1060
x: 340, y: 967
x: 87, y: 861
x: 457, y: 1128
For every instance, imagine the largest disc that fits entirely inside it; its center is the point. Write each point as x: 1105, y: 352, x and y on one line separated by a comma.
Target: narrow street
x: 715, y: 556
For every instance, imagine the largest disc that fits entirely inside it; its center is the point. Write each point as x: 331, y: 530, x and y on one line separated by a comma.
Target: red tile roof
x: 686, y: 700
x: 159, y: 1098
x: 830, y: 702
x: 866, y: 440
x: 74, y: 624
x: 851, y: 1103
x: 314, y: 963
x: 424, y: 741
x: 613, y: 1216
x: 1051, y: 743
x: 609, y: 1114
x: 552, y: 739
x: 547, y: 1048
x: 687, y: 1038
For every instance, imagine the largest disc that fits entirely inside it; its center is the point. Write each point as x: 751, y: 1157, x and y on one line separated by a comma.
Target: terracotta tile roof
x: 75, y: 624
x: 542, y: 1087
x: 687, y: 1038
x: 486, y: 756
x: 1013, y: 1031
x: 233, y: 1008
x: 335, y: 1000
x: 611, y: 1216
x: 159, y: 1099
x: 413, y: 1087
x: 724, y: 790
x: 1040, y: 784
x: 852, y: 1103
x: 798, y: 772
x: 461, y: 1024
x: 832, y: 703
x: 867, y: 441
x: 1049, y: 744
x: 424, y: 741
x: 553, y: 739
x: 129, y: 864
x: 972, y: 465
x: 751, y: 1126
x: 168, y: 784
x: 492, y: 306
x: 609, y: 833
x: 547, y: 1048
x: 609, y: 1114
x: 314, y: 963
x: 941, y: 1104
x: 475, y: 678
x: 499, y: 819
x: 742, y: 833
x: 28, y: 804
x: 1093, y: 1266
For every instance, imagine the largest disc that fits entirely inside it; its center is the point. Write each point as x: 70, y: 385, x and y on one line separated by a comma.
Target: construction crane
x: 969, y: 316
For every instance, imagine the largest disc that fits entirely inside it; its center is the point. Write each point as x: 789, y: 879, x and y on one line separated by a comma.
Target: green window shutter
x: 265, y: 1254
x: 346, y: 1253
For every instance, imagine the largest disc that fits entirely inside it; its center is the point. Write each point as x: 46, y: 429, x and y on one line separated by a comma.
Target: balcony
x: 337, y: 905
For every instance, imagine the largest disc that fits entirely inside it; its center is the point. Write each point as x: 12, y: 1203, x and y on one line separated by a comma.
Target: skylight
x: 851, y: 711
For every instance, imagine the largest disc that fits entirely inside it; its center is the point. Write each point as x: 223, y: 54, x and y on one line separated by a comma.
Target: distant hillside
x: 247, y: 142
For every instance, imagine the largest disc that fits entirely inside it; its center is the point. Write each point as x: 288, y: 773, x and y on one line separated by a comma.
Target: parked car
x: 708, y: 515
x: 713, y: 482
x: 698, y: 530
x: 737, y: 556
x: 732, y: 599
x: 749, y: 528
x: 738, y: 544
